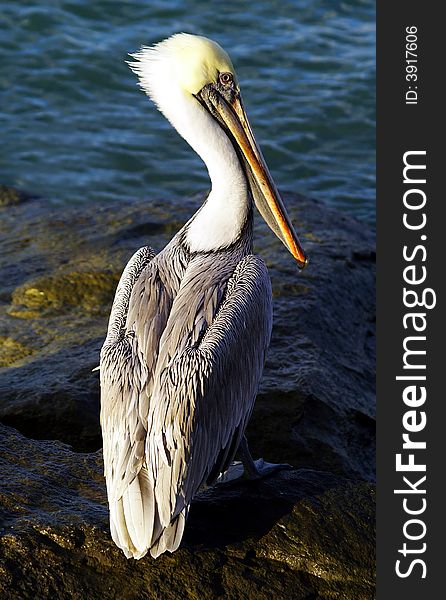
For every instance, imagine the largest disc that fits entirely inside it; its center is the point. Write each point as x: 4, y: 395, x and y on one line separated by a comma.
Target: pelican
x: 189, y: 327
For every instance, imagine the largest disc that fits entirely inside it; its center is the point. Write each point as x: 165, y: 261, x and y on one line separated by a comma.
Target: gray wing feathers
x: 197, y: 354
x: 127, y: 358
x: 125, y: 286
x: 132, y: 517
x: 203, y: 396
x: 171, y: 536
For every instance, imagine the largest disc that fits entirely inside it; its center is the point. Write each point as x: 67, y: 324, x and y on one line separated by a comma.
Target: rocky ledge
x: 304, y: 533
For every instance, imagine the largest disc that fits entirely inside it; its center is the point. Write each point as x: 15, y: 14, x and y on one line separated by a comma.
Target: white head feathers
x: 185, y: 61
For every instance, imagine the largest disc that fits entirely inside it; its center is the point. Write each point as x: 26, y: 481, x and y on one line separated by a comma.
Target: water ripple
x: 76, y: 129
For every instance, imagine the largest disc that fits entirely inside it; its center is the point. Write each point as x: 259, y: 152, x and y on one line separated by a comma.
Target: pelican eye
x: 226, y: 78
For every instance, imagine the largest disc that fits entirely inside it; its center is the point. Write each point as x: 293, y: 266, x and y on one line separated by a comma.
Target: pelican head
x: 192, y: 81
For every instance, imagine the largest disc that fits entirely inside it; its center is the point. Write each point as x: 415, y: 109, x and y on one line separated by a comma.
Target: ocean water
x: 76, y: 129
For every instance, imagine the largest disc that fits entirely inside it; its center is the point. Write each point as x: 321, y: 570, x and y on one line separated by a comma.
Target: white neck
x: 220, y: 220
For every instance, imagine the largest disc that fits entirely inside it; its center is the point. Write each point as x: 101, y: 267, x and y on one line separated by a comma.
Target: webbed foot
x: 249, y: 468
x: 260, y: 468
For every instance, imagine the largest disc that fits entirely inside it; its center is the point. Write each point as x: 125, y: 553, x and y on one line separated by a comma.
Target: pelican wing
x: 203, y: 394
x: 139, y: 313
x: 179, y: 378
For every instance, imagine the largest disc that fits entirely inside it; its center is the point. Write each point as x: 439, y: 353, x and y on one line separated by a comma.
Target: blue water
x: 75, y: 128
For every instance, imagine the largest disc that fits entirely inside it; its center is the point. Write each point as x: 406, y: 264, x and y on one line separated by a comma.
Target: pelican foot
x: 257, y: 470
x: 249, y: 468
x: 260, y: 468
x: 234, y: 471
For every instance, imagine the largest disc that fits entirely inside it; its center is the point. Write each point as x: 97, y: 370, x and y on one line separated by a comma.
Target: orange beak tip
x: 302, y: 262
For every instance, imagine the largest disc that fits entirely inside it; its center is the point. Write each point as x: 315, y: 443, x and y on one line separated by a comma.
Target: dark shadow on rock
x: 233, y: 512
x: 56, y: 397
x: 148, y: 229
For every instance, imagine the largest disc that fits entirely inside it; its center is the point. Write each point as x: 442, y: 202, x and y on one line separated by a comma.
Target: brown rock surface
x: 307, y: 533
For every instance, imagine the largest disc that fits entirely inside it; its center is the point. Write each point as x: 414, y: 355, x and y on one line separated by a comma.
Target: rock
x: 297, y: 535
x: 59, y: 269
x: 55, y: 396
x: 90, y: 291
x: 9, y: 196
x: 12, y: 351
x: 306, y: 533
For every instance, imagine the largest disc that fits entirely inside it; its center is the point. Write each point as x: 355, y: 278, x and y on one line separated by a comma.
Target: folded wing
x: 204, y: 395
x: 179, y: 376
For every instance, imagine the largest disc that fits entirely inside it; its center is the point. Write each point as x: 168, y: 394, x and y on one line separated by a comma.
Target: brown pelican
x: 189, y: 327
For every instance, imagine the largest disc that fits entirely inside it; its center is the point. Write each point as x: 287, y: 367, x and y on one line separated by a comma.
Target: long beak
x: 265, y: 193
